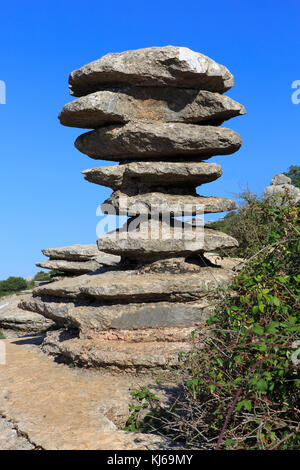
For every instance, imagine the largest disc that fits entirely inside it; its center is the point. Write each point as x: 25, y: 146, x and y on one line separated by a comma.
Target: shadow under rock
x: 35, y: 339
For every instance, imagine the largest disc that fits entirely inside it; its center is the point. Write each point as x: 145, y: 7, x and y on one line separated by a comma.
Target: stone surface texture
x: 58, y: 408
x: 146, y: 140
x: 164, y: 203
x: 281, y: 184
x: 10, y: 439
x: 76, y: 259
x: 153, y: 66
x: 141, y: 174
x: 154, y: 238
x: 149, y: 104
x: 157, y: 112
x: 131, y: 285
x: 16, y: 321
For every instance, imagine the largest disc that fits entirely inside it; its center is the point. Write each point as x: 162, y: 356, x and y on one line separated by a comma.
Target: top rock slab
x: 73, y: 252
x: 153, y: 66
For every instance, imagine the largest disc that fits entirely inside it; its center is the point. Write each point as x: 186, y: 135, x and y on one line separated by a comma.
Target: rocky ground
x: 47, y: 405
x: 10, y: 439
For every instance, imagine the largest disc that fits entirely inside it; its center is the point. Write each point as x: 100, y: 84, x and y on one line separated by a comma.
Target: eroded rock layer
x: 156, y: 111
x: 152, y: 66
x: 137, y: 104
x: 76, y: 259
x: 146, y: 174
x: 151, y: 140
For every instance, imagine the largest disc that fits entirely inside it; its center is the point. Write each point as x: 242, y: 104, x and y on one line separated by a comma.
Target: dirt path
x: 56, y: 407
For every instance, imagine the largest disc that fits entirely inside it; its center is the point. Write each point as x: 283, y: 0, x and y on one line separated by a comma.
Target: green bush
x: 11, y: 285
x: 241, y: 381
x: 42, y: 276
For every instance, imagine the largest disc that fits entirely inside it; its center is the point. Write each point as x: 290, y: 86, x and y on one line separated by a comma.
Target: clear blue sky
x: 45, y: 202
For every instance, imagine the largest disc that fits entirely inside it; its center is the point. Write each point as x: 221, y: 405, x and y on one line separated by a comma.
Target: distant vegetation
x: 13, y: 284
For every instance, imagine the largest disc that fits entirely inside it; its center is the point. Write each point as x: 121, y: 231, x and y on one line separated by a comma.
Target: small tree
x: 12, y: 284
x: 294, y: 173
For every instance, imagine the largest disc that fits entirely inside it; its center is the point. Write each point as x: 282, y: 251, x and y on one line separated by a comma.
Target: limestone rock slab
x: 225, y: 262
x: 130, y: 285
x: 77, y: 258
x: 275, y: 191
x: 16, y: 319
x: 152, y: 66
x: 121, y: 204
x: 91, y: 318
x: 118, y: 354
x: 72, y: 253
x: 153, y: 238
x: 154, y: 174
x: 73, y: 267
x: 146, y: 141
x: 149, y: 104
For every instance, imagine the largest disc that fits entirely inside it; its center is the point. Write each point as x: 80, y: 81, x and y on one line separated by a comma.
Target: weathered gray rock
x: 77, y: 259
x: 274, y: 192
x: 280, y: 179
x: 225, y: 262
x: 279, y: 187
x: 152, y: 66
x: 10, y: 439
x: 130, y: 285
x: 145, y: 239
x: 74, y: 267
x: 19, y: 321
x: 119, y: 354
x: 72, y: 253
x: 154, y: 174
x: 130, y: 316
x: 146, y: 141
x: 149, y: 104
x: 154, y: 203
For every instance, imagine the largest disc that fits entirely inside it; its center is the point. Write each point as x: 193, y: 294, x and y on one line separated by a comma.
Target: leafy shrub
x: 11, y: 285
x: 139, y: 420
x: 241, y: 381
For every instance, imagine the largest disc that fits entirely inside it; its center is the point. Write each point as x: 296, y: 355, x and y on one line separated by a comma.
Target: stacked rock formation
x: 156, y: 111
x: 75, y: 260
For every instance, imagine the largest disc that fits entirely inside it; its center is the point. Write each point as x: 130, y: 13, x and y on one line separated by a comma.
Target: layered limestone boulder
x: 158, y: 141
x: 151, y: 238
x: 76, y: 259
x: 14, y: 321
x: 153, y: 174
x: 137, y: 104
x: 153, y: 66
x: 156, y: 112
x: 156, y: 203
